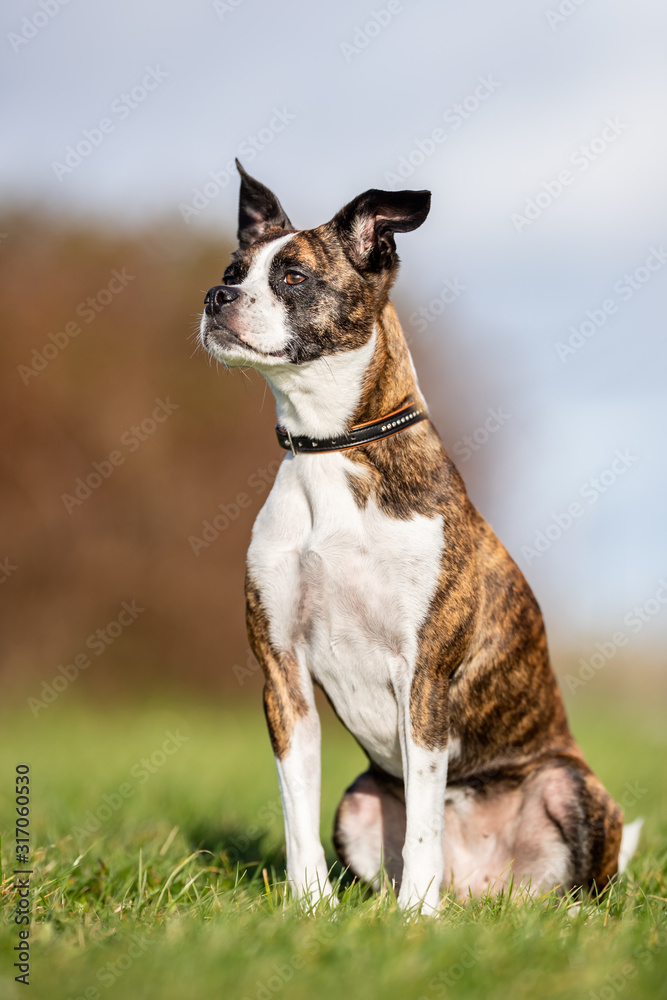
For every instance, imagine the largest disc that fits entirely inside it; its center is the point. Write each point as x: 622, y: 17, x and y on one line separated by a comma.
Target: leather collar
x: 359, y: 435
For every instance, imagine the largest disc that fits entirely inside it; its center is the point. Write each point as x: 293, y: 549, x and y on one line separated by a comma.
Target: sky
x: 541, y: 272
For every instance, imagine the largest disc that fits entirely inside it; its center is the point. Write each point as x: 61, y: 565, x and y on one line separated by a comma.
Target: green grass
x: 179, y: 892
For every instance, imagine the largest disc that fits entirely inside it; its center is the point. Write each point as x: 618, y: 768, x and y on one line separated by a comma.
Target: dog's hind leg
x: 369, y: 829
x: 590, y: 823
x: 556, y: 829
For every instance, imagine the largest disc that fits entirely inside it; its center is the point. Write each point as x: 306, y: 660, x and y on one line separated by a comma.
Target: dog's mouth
x: 222, y: 342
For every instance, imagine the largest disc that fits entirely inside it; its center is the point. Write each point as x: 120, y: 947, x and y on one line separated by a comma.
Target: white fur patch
x: 317, y: 398
x: 423, y: 857
x: 346, y: 590
x: 260, y: 316
x: 299, y: 781
x: 629, y: 843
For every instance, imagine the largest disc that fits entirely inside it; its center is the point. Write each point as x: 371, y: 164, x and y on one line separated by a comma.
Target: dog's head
x: 291, y: 296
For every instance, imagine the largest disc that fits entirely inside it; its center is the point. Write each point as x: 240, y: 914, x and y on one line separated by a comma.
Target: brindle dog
x: 371, y: 574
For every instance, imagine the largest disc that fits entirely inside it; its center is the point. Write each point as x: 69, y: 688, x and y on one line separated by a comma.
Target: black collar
x: 360, y: 434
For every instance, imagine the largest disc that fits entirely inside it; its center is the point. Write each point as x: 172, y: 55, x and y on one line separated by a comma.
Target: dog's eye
x: 228, y: 279
x: 294, y: 278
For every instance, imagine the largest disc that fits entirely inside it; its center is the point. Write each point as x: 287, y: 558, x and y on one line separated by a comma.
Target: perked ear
x: 367, y: 224
x: 258, y: 210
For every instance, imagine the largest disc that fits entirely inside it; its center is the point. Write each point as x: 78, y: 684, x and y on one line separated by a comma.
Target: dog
x: 371, y: 575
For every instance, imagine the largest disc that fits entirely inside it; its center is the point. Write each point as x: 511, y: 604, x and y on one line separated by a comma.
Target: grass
x: 175, y: 890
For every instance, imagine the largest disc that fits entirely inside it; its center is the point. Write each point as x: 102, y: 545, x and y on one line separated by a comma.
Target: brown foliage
x: 129, y: 538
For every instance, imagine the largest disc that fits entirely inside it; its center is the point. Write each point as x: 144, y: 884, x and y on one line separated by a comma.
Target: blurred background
x: 533, y: 299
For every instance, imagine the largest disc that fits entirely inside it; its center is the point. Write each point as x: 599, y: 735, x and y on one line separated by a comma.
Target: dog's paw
x: 314, y: 890
x: 316, y: 895
x: 416, y: 903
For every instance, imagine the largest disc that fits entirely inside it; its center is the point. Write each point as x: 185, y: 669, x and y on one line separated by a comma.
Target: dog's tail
x: 629, y: 842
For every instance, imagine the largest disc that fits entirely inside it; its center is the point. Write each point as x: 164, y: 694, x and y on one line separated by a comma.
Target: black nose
x: 219, y: 296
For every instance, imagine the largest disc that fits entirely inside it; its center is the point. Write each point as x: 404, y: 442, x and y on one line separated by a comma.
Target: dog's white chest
x: 346, y: 590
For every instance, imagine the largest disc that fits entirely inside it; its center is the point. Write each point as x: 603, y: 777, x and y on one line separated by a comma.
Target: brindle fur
x: 283, y: 698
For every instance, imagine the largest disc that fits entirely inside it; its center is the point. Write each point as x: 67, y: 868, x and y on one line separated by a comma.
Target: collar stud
x: 362, y: 434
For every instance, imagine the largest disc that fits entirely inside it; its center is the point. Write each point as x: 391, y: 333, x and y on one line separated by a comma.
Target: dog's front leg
x: 299, y: 774
x: 423, y: 733
x: 294, y: 728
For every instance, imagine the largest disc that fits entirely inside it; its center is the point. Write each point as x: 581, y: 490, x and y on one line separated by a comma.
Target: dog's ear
x: 258, y: 210
x: 367, y: 225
